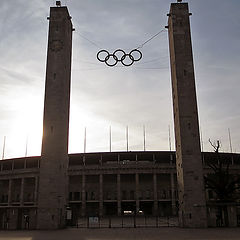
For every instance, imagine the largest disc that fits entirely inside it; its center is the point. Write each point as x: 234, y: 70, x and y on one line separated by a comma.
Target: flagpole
x: 85, y: 139
x: 169, y: 138
x: 26, y: 150
x: 144, y: 138
x: 230, y: 140
x: 110, y: 138
x: 127, y: 137
x: 4, y: 142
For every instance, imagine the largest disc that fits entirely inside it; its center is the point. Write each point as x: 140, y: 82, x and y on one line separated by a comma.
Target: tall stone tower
x: 192, y: 203
x: 54, y: 157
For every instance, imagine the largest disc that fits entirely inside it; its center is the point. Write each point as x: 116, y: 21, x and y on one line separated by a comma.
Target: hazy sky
x: 102, y: 96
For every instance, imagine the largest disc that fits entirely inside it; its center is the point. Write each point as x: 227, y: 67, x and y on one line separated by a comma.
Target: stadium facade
x: 106, y: 184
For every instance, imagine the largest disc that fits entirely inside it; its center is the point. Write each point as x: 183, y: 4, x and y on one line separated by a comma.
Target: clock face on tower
x: 56, y: 45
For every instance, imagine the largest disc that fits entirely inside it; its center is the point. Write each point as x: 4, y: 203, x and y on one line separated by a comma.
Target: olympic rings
x: 108, y: 57
x: 127, y: 59
x: 119, y: 50
x: 140, y: 54
x: 127, y: 56
x: 102, y: 51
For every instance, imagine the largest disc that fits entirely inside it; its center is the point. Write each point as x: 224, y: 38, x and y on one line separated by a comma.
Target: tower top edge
x: 179, y: 5
x: 60, y: 9
x: 179, y: 8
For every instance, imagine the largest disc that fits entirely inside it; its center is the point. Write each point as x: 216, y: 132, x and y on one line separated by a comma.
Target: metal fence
x: 126, y: 222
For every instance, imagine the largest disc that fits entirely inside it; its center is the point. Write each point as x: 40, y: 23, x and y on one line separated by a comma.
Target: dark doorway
x: 146, y: 208
x: 19, y: 218
x: 128, y: 208
x: 3, y: 219
x: 92, y: 209
x: 76, y: 213
x: 164, y: 209
x: 110, y: 208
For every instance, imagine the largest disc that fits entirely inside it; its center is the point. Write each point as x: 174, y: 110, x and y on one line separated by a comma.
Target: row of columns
x: 100, y: 161
x: 173, y: 198
x: 13, y: 166
x: 10, y: 187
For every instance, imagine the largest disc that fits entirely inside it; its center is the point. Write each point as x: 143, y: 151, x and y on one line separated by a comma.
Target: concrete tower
x: 53, y: 183
x: 192, y: 203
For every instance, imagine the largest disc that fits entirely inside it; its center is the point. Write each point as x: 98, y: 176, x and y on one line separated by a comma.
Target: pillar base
x: 50, y: 219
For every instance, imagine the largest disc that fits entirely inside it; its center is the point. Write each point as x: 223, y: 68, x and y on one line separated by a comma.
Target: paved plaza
x: 171, y: 233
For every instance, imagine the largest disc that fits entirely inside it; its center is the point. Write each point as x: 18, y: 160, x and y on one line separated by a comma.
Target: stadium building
x: 106, y: 185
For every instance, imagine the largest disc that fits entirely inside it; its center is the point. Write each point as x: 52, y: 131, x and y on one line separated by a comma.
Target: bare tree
x: 222, y: 182
x: 215, y: 145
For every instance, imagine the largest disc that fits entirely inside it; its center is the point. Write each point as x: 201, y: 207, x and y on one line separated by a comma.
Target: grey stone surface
x: 125, y: 234
x: 53, y: 182
x: 192, y: 202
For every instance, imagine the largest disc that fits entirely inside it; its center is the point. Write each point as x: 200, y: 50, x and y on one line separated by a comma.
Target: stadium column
x: 22, y: 192
x: 53, y: 184
x: 83, y: 195
x: 155, y: 204
x: 119, y: 194
x: 137, y: 192
x: 100, y: 195
x: 25, y: 163
x: 35, y: 189
x: 9, y: 191
x: 173, y: 194
x: 192, y: 203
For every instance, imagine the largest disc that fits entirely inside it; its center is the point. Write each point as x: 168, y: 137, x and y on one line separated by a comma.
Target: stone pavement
x: 171, y: 233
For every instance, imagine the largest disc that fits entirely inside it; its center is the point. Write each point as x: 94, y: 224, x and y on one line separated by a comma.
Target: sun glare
x: 25, y: 135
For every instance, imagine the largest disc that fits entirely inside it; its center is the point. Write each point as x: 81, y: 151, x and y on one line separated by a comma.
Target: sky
x: 104, y: 96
